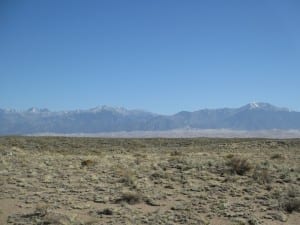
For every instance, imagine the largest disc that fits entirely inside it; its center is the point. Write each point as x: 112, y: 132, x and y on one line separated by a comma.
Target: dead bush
x: 239, y: 165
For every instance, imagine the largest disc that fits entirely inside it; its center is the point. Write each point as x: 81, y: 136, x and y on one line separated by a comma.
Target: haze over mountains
x: 251, y: 117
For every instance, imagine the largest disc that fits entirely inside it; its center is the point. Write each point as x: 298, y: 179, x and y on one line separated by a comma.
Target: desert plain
x: 89, y: 181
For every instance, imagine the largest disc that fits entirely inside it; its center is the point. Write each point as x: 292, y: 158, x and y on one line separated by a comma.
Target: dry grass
x: 76, y: 181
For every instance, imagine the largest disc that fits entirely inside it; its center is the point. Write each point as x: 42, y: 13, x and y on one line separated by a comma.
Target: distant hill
x: 251, y: 117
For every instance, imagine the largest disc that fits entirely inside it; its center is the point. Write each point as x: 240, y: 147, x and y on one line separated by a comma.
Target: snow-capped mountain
x: 263, y: 106
x: 37, y: 110
x: 253, y: 116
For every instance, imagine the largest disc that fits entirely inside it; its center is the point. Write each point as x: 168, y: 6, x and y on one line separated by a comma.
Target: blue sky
x: 162, y: 55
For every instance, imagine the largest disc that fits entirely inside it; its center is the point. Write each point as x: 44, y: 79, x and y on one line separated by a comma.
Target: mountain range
x: 251, y: 117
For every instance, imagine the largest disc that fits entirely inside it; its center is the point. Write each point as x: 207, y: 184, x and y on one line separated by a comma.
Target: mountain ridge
x: 251, y: 105
x: 252, y: 116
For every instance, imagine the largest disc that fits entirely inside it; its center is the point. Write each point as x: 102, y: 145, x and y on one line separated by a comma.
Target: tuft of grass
x: 106, y: 211
x: 239, y: 165
x: 262, y: 175
x: 229, y: 156
x: 87, y: 163
x: 291, y: 204
x: 130, y: 198
x: 126, y: 176
x: 290, y: 200
x: 176, y: 153
x: 293, y: 192
x: 277, y: 156
x: 41, y: 210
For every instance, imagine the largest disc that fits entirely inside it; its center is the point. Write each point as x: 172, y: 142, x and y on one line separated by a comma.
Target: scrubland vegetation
x: 77, y: 181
